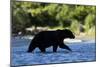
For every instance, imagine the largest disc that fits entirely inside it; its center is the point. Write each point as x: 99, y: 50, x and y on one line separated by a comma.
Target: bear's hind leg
x: 31, y: 48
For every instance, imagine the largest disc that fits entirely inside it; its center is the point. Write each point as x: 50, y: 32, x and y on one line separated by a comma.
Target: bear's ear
x: 58, y: 30
x: 65, y: 29
x: 68, y: 30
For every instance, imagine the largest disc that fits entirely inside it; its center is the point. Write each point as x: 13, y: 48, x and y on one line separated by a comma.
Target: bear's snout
x: 72, y: 37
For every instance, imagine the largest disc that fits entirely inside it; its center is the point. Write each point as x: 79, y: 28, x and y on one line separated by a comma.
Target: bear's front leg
x: 55, y: 48
x: 62, y: 45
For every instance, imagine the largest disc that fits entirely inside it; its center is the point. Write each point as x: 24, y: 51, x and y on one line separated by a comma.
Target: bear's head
x: 69, y: 34
x: 66, y: 34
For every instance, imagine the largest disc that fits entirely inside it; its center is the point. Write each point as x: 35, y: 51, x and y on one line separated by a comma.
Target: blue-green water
x: 81, y: 52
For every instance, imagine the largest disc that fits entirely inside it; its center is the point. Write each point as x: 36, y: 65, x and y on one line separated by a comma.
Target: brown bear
x: 45, y: 39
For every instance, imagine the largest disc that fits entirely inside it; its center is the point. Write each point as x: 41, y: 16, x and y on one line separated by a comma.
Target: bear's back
x: 46, y: 36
